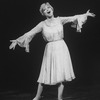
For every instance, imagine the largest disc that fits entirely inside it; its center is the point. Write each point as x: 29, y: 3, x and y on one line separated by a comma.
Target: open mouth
x: 49, y: 12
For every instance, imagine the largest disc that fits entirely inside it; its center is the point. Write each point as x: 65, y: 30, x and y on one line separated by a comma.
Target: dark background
x: 19, y: 70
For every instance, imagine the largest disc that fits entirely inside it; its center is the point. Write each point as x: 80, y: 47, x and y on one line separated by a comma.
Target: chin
x: 50, y: 15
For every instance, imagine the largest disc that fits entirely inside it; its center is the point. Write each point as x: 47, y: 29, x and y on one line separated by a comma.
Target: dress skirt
x: 56, y: 65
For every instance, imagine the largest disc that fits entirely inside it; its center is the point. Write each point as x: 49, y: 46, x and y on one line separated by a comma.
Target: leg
x: 60, y: 91
x: 39, y: 91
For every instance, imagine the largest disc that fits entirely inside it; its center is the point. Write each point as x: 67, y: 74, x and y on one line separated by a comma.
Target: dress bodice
x: 53, y: 31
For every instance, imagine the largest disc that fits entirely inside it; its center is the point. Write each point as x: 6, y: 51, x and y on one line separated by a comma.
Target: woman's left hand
x: 90, y: 14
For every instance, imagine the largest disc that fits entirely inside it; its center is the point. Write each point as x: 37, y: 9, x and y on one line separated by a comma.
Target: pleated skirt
x: 56, y: 65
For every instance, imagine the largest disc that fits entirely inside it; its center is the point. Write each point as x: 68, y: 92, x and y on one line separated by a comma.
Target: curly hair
x: 42, y: 8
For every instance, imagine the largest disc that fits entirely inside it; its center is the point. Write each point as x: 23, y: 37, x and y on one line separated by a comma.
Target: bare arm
x: 24, y: 40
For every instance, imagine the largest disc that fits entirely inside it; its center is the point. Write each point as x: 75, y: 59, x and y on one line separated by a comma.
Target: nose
x: 48, y: 9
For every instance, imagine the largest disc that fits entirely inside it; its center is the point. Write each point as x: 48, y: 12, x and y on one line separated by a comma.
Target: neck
x: 50, y: 18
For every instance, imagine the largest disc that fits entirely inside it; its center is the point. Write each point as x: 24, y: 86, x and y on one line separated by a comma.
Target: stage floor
x: 50, y: 93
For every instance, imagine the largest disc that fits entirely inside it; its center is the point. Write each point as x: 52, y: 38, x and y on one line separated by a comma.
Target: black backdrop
x: 20, y: 70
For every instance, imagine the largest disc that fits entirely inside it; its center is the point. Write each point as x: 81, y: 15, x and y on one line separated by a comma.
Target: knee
x: 61, y: 84
x: 41, y: 84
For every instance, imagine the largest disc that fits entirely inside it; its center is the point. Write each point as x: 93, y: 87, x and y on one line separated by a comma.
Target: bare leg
x: 39, y: 91
x: 60, y: 91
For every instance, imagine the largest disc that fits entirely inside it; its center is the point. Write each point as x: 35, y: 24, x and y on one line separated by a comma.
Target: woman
x: 56, y: 65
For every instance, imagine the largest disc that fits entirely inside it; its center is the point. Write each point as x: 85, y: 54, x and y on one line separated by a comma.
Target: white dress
x: 56, y: 65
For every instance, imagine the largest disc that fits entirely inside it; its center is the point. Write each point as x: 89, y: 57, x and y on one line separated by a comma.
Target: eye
x: 44, y: 10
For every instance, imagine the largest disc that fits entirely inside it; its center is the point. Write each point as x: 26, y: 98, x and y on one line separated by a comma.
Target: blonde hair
x: 42, y: 7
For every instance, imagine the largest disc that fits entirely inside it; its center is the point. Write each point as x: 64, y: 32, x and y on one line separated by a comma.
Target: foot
x: 36, y: 98
x: 60, y: 99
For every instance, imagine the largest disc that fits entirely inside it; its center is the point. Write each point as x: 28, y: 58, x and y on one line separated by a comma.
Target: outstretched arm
x: 78, y: 20
x: 24, y: 40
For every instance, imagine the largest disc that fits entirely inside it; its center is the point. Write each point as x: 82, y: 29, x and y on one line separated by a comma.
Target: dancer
x: 56, y: 65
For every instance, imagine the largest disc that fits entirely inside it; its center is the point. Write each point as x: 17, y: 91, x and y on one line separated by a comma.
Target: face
x: 48, y: 12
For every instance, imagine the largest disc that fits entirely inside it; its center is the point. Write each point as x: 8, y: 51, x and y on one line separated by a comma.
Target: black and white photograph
x: 50, y: 50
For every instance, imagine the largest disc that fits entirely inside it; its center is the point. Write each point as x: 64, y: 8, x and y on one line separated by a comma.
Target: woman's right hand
x: 13, y: 44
